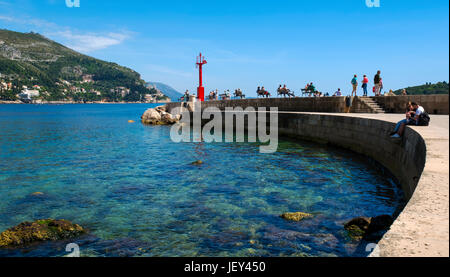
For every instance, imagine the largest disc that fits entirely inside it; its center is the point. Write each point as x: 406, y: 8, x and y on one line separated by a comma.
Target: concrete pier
x: 419, y: 160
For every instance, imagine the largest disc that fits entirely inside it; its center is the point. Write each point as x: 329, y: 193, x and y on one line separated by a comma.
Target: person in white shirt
x: 412, y: 118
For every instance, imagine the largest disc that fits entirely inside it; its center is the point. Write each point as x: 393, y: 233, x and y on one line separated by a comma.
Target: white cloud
x: 88, y: 42
x: 27, y: 21
x: 74, y: 39
x: 6, y: 18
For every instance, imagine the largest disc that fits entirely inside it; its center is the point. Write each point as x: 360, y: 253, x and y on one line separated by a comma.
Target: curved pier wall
x: 405, y: 159
x: 419, y: 161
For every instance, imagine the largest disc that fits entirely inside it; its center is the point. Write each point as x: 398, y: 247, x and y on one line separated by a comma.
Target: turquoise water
x: 138, y: 195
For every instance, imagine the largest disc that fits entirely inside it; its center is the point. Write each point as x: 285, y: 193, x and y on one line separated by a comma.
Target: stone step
x: 372, y: 105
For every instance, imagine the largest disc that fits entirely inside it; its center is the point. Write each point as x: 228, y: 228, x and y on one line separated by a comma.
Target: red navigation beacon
x: 200, y: 90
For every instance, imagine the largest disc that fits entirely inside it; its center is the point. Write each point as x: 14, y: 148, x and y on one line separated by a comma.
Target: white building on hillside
x: 28, y: 94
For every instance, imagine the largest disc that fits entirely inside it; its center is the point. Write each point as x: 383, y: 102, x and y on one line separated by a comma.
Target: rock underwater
x: 298, y: 216
x: 159, y: 116
x: 40, y: 231
x: 368, y: 227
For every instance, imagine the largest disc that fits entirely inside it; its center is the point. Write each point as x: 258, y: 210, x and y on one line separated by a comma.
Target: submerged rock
x: 298, y: 216
x: 368, y: 227
x: 361, y: 223
x: 159, y: 116
x: 39, y: 231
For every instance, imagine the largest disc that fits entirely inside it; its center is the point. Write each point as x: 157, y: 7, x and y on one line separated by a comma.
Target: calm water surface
x: 138, y: 195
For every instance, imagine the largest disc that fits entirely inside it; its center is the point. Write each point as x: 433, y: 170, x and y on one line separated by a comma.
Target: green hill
x: 30, y: 59
x: 429, y: 88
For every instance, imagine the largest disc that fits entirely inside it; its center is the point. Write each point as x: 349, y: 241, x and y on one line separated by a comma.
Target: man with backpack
x: 377, y: 82
x: 417, y: 117
x: 355, y: 85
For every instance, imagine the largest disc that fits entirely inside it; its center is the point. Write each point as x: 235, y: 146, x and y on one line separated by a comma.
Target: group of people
x: 283, y: 90
x: 377, y: 80
x: 238, y: 93
x: 415, y: 115
x: 214, y: 95
x: 311, y: 90
x: 261, y: 91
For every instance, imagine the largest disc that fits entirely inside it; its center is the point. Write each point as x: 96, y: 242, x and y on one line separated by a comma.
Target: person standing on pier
x: 355, y: 85
x: 186, y: 96
x: 377, y: 80
x: 365, y: 85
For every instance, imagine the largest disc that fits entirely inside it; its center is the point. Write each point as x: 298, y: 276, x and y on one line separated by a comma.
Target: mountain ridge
x: 167, y: 90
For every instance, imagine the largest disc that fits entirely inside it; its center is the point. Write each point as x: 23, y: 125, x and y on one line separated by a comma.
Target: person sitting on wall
x: 416, y: 116
x: 311, y: 88
x: 338, y: 93
x: 265, y: 92
x: 211, y: 95
x: 287, y: 91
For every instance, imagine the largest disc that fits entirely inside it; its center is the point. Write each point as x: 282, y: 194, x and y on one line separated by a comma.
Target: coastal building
x: 122, y: 91
x: 74, y: 89
x: 27, y: 95
x: 148, y: 98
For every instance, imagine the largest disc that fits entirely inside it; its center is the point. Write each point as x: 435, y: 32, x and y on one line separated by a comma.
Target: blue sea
x: 138, y: 194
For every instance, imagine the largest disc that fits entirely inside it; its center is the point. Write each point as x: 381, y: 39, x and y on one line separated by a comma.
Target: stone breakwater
x: 419, y: 161
x: 159, y: 116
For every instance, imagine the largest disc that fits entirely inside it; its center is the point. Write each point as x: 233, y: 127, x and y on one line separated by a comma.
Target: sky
x: 250, y: 43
